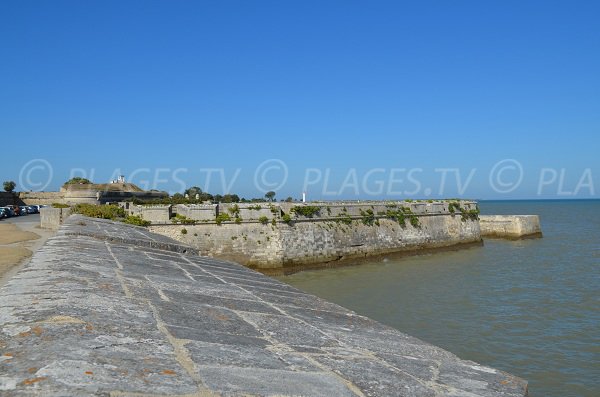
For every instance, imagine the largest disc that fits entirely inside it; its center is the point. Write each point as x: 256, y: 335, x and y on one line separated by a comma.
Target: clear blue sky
x: 345, y: 85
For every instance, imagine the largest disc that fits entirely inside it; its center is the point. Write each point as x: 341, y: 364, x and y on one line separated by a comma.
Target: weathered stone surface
x: 510, y: 226
x: 110, y: 309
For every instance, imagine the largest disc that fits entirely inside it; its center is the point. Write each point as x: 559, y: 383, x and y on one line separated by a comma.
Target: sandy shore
x: 18, y: 241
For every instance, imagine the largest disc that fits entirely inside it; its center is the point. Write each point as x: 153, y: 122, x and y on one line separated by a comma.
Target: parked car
x: 23, y: 210
x: 10, y: 211
x: 32, y: 209
x: 3, y: 213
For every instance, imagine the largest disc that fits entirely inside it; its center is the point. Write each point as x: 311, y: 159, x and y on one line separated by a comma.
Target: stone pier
x: 510, y: 226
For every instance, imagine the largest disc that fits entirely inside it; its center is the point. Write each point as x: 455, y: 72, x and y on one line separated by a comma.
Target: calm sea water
x: 530, y: 307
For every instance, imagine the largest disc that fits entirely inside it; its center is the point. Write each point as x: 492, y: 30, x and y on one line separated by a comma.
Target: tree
x: 289, y: 199
x: 78, y: 181
x: 231, y: 198
x: 9, y: 186
x: 270, y: 195
x: 193, y: 191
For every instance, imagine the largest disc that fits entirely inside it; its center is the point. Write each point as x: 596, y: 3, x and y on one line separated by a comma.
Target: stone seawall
x: 510, y: 226
x: 107, y: 309
x: 282, y: 248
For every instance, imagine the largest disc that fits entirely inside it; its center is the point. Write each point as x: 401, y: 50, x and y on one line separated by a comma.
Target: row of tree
x: 195, y: 193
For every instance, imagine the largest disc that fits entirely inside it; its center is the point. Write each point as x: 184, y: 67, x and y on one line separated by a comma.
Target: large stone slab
x: 109, y: 309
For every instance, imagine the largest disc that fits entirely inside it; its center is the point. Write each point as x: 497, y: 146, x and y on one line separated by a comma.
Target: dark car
x: 9, y: 210
x: 23, y: 210
x: 32, y: 209
x: 3, y: 213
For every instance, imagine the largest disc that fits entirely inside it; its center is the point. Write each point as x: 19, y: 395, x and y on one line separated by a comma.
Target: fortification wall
x: 279, y: 247
x: 198, y: 212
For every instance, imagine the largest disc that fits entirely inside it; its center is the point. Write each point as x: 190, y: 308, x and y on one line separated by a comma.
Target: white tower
x: 304, y: 197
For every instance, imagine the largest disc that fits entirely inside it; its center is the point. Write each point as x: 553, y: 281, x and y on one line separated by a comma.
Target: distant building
x: 120, y: 179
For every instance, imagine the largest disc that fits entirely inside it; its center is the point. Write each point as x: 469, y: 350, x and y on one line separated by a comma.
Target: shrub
x: 368, y: 217
x: 222, y: 217
x: 344, y: 218
x: 414, y: 221
x: 59, y: 205
x: 263, y: 219
x: 470, y: 215
x: 183, y: 220
x: 184, y: 231
x: 136, y: 220
x: 453, y: 206
x: 286, y: 218
x: 238, y: 220
x: 99, y: 211
x: 306, y: 210
x: 234, y: 210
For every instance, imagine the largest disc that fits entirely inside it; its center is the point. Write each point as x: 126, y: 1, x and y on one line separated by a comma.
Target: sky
x: 340, y: 99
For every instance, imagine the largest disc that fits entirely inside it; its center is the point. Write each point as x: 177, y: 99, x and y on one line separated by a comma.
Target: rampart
x: 319, y: 234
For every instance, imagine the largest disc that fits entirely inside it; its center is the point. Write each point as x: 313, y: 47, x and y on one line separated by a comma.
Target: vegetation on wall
x: 306, y: 210
x: 401, y: 214
x: 178, y: 218
x: 112, y: 212
x: 465, y: 214
x: 222, y: 217
x: 234, y: 210
x: 136, y: 220
x: 368, y: 217
x: 286, y: 218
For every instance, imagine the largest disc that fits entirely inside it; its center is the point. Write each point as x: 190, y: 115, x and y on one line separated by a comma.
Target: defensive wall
x: 283, y: 237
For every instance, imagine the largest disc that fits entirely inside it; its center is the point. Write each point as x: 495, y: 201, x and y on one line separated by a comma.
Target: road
x: 21, y: 220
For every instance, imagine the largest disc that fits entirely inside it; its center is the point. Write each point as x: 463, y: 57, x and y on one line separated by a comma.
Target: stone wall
x: 281, y: 247
x: 52, y: 218
x: 510, y: 226
x: 41, y: 198
x: 198, y: 212
x: 154, y: 213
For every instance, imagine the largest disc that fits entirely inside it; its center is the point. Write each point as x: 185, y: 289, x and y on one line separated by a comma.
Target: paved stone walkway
x: 110, y: 309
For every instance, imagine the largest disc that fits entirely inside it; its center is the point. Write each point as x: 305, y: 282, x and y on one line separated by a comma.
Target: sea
x: 529, y: 307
